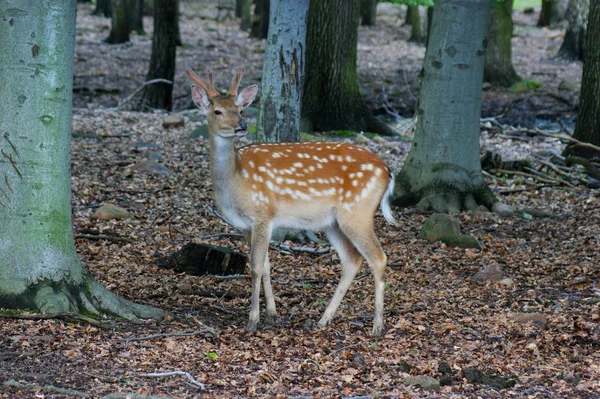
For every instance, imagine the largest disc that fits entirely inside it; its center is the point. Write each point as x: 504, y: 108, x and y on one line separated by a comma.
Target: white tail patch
x: 384, y: 205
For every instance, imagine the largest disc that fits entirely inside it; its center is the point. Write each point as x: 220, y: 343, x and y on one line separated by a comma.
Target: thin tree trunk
x: 331, y: 99
x: 587, y: 128
x: 39, y: 267
x: 553, y: 12
x: 415, y: 18
x: 243, y: 10
x: 162, y: 61
x: 283, y: 72
x: 260, y: 22
x: 368, y: 12
x: 103, y: 8
x: 499, y: 69
x: 443, y: 168
x: 120, y: 25
x: 137, y: 17
x: 573, y: 43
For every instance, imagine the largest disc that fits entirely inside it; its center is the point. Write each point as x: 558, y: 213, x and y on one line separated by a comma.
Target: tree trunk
x: 587, y: 128
x: 283, y: 72
x: 499, y: 69
x: 120, y: 25
x: 243, y: 10
x: 415, y: 19
x: 178, y: 41
x: 577, y: 15
x: 443, y: 168
x: 103, y: 8
x: 137, y: 17
x: 429, y: 20
x: 368, y: 12
x: 331, y: 100
x: 260, y: 22
x: 39, y: 267
x: 553, y: 12
x: 162, y: 61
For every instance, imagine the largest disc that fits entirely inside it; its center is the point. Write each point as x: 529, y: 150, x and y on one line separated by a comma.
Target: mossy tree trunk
x: 162, y: 60
x: 587, y: 128
x: 120, y: 23
x: 283, y: 72
x: 39, y: 266
x: 260, y: 20
x: 243, y: 10
x: 499, y: 69
x: 368, y: 12
x: 443, y: 168
x: 573, y: 43
x: 331, y: 99
x: 416, y: 33
x: 553, y: 12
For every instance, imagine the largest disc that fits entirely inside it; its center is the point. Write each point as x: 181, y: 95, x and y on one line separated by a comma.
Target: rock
x: 361, y: 139
x: 461, y: 241
x: 508, y: 283
x: 491, y: 272
x: 486, y: 86
x: 474, y: 376
x: 446, y: 372
x: 111, y: 211
x: 152, y: 167
x: 154, y: 156
x: 380, y: 140
x: 568, y: 85
x: 439, y: 225
x: 481, y: 210
x: 536, y: 319
x: 502, y: 209
x: 173, y: 120
x: 423, y: 381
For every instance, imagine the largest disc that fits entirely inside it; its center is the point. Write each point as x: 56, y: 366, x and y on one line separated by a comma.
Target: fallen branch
x: 586, y: 163
x: 64, y: 316
x: 529, y: 175
x: 191, y: 379
x: 232, y: 235
x: 230, y: 277
x: 309, y: 250
x: 102, y: 237
x: 166, y: 335
x: 136, y: 91
x: 46, y: 388
x: 563, y: 137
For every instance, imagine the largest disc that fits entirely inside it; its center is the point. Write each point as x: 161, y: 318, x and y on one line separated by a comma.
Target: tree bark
x: 368, y: 12
x: 39, y: 267
x: 120, y: 25
x: 283, y: 72
x: 331, y: 99
x: 587, y: 128
x: 103, y: 7
x: 552, y: 13
x: 162, y: 60
x: 243, y: 10
x: 573, y: 43
x: 137, y: 16
x: 499, y: 69
x: 260, y: 22
x: 443, y: 168
x: 416, y: 35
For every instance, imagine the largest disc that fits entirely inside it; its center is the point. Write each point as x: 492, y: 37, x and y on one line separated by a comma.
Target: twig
x: 589, y: 167
x: 234, y: 235
x: 563, y: 137
x: 165, y: 335
x: 103, y: 237
x: 310, y: 250
x: 191, y: 379
x: 136, y: 91
x: 518, y: 173
x: 231, y: 276
x: 64, y: 316
x: 47, y: 388
x: 214, y: 212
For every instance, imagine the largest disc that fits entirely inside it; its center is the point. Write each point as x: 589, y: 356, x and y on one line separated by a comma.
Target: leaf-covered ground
x: 534, y: 330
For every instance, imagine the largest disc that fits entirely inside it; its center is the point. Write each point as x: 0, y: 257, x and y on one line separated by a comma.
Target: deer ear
x: 200, y: 97
x: 246, y: 96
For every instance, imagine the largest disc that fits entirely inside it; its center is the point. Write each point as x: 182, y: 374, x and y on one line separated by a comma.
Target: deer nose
x: 243, y: 125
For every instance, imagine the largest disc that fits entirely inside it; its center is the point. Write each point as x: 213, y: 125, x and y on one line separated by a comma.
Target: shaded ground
x: 542, y: 330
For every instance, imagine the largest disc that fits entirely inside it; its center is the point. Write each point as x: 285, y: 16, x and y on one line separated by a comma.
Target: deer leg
x: 362, y: 235
x: 259, y: 246
x: 351, y: 261
x: 268, y: 289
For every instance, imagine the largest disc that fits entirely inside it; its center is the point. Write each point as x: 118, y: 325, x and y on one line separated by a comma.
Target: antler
x: 235, y: 83
x: 208, y: 87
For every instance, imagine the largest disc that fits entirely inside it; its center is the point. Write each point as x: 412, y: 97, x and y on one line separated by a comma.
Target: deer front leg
x: 259, y: 246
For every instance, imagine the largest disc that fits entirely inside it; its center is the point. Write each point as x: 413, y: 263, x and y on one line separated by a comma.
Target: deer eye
x: 217, y: 112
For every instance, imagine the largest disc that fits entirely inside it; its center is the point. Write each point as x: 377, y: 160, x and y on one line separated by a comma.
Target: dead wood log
x: 201, y: 259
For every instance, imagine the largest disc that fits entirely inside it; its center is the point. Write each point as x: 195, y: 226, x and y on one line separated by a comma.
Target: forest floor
x: 531, y: 330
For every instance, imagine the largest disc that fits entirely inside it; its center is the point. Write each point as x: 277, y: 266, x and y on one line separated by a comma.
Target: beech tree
x: 368, y: 12
x: 587, y: 128
x: 120, y: 22
x: 283, y: 72
x: 443, y: 168
x: 39, y: 267
x: 573, y: 43
x: 331, y: 99
x: 499, y: 69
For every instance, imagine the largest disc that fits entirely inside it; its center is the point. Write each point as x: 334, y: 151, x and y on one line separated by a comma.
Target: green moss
x: 342, y: 133
x: 525, y: 85
x: 310, y: 137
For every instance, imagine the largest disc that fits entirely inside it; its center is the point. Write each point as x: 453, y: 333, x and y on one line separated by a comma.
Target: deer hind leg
x: 362, y: 234
x: 351, y: 261
x: 259, y: 246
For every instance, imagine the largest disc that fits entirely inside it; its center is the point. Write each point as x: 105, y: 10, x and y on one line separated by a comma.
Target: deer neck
x: 225, y: 166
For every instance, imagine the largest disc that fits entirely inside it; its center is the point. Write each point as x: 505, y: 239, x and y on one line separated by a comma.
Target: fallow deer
x: 334, y: 187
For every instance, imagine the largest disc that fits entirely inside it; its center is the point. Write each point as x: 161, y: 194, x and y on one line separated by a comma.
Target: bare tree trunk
x: 137, y: 17
x: 331, y: 99
x: 587, y: 128
x: 283, y: 72
x: 416, y: 35
x: 103, y: 7
x: 553, y: 12
x: 243, y: 10
x: 260, y: 22
x: 499, y: 69
x: 368, y: 12
x: 572, y: 45
x: 443, y: 168
x: 120, y: 22
x: 162, y: 61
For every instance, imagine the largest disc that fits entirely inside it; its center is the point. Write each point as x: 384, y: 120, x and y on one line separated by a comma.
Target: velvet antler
x: 209, y: 87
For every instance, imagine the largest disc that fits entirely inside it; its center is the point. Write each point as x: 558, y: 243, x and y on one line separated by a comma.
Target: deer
x: 332, y: 187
